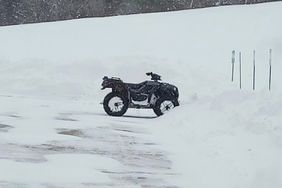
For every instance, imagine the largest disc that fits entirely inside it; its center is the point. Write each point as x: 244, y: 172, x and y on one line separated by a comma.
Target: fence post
x: 270, y: 69
x: 232, y: 62
x: 240, y: 69
x: 254, y: 70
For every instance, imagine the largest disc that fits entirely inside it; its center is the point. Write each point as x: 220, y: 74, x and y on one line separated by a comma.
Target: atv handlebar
x: 154, y: 76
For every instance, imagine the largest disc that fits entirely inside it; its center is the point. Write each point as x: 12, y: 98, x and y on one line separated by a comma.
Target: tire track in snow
x: 124, y: 139
x: 145, y: 164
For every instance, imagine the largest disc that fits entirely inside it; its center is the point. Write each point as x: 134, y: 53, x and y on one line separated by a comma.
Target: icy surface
x: 54, y: 132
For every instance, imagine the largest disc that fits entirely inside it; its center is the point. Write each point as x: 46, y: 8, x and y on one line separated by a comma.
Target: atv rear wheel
x: 115, y: 104
x: 163, y: 105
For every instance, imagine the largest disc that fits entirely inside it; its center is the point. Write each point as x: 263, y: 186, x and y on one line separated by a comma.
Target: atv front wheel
x: 163, y: 105
x: 115, y: 104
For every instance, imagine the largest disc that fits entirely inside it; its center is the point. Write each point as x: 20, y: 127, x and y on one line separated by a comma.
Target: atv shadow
x: 128, y: 116
x: 140, y: 117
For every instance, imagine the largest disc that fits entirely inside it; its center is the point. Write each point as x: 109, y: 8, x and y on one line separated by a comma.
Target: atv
x: 153, y: 94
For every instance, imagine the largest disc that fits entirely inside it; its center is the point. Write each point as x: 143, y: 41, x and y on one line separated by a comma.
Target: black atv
x: 161, y: 97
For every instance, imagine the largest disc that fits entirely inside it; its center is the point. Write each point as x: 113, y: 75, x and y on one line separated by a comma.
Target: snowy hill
x: 51, y: 123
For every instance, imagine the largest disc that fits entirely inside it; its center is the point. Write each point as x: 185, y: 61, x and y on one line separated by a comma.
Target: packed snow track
x: 54, y: 143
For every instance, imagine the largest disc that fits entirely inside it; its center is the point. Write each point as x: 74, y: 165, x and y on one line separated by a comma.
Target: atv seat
x: 136, y: 87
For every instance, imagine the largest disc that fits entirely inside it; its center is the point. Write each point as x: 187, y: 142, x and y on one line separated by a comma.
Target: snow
x: 53, y: 127
x: 237, y: 146
x: 60, y: 169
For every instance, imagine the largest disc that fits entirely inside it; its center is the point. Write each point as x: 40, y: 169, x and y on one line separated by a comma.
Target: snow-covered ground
x: 54, y: 132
